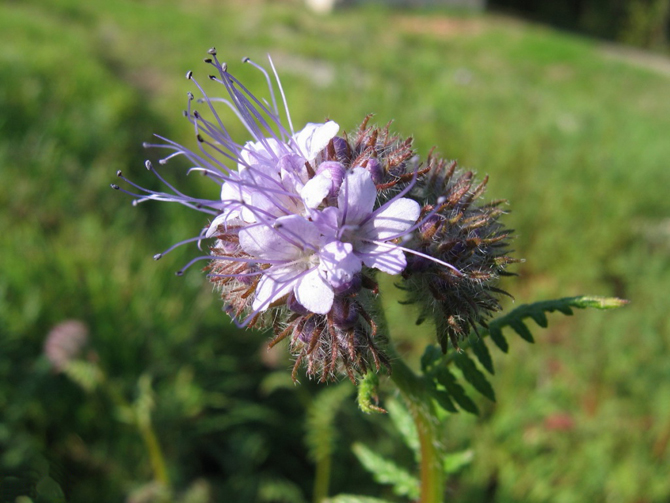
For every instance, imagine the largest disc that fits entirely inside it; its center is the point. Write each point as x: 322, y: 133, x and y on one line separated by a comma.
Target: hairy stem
x: 421, y: 408
x: 420, y: 405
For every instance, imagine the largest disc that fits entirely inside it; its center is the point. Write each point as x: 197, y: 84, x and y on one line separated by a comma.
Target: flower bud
x: 335, y: 172
x: 376, y: 170
x: 350, y: 287
x: 344, y: 314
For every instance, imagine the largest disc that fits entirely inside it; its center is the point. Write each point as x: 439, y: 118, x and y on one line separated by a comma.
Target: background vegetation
x: 574, y: 135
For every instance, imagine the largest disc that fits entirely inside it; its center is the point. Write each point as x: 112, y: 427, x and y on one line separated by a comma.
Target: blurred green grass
x: 576, y: 140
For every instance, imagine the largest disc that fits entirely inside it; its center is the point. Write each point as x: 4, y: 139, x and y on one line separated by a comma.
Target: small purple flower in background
x: 65, y: 343
x: 306, y: 219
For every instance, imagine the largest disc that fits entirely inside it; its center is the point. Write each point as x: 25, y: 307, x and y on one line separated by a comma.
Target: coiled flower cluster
x: 305, y: 220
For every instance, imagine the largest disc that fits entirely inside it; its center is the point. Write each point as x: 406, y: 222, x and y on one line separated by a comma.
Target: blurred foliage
x: 643, y: 23
x: 574, y: 138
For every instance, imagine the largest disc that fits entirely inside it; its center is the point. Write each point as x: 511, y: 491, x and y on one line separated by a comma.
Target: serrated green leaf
x: 521, y: 329
x: 564, y: 309
x: 540, y: 318
x: 354, y: 498
x: 443, y: 400
x: 455, y: 461
x: 598, y: 302
x: 387, y: 472
x: 481, y: 351
x: 455, y: 390
x: 497, y: 336
x: 474, y: 376
x: 431, y: 355
x: 404, y: 423
x: 321, y: 430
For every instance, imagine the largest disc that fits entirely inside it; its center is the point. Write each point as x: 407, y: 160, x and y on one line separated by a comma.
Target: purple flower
x: 370, y: 233
x: 301, y: 221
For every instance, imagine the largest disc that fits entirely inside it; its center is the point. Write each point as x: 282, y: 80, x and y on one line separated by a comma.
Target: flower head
x: 304, y: 220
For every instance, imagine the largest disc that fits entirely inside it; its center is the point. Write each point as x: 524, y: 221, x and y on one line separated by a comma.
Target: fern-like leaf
x: 455, y: 390
x: 321, y: 429
x: 387, y: 472
x: 403, y: 422
x: 354, y: 498
x: 474, y: 376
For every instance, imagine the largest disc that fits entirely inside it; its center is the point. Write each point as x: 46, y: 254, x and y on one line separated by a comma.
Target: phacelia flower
x: 304, y: 220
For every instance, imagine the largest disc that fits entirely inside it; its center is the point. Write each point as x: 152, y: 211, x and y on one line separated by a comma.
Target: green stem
x: 146, y: 432
x: 322, y: 478
x: 155, y: 454
x: 420, y: 406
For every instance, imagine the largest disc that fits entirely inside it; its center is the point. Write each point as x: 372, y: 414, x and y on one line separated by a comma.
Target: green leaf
x: 85, y: 374
x: 321, y: 429
x: 403, y: 422
x: 597, y: 302
x: 443, y: 400
x: 455, y: 461
x: 540, y: 318
x: 431, y: 355
x: 481, y: 351
x: 387, y: 472
x: 354, y: 498
x: 455, y: 390
x: 521, y: 329
x: 474, y: 376
x: 496, y: 336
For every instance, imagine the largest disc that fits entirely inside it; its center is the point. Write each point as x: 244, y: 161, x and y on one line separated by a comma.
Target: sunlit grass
x: 577, y: 142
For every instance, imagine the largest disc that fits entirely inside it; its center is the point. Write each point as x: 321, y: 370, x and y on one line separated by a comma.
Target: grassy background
x: 576, y: 139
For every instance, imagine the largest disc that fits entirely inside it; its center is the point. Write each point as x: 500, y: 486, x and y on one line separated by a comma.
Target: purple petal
x: 338, y: 263
x: 270, y: 289
x: 286, y: 239
x: 357, y: 196
x: 383, y: 257
x: 314, y: 293
x: 392, y: 221
x: 313, y: 138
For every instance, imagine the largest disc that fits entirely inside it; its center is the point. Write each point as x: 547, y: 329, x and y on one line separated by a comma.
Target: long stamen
x: 413, y: 252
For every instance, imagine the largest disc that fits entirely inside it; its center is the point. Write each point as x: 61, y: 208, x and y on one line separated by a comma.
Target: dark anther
x: 119, y: 174
x: 190, y: 95
x: 196, y: 114
x: 212, y: 51
x: 212, y: 77
x: 189, y: 75
x: 185, y: 113
x: 179, y: 273
x: 245, y: 60
x: 148, y: 165
x: 158, y: 256
x: 198, y: 205
x: 114, y: 186
x: 199, y: 137
x: 207, y: 60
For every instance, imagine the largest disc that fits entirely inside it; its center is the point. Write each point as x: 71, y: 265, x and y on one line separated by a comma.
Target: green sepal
x: 367, y: 394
